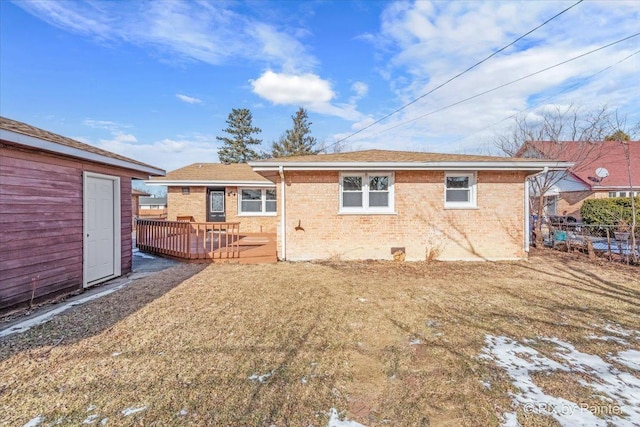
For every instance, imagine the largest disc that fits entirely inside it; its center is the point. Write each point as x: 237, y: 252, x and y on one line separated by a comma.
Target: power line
x: 506, y: 84
x: 457, y: 75
x: 573, y: 86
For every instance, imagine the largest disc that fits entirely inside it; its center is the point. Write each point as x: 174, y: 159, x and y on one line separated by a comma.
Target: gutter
x: 211, y: 183
x: 283, y: 220
x: 457, y: 166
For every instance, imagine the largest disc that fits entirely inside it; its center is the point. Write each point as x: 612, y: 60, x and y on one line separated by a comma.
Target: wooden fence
x: 189, y: 240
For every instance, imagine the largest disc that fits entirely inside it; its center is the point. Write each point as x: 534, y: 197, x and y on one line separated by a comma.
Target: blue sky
x: 155, y: 81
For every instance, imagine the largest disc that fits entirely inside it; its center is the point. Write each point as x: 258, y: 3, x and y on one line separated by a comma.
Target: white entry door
x: 101, y: 228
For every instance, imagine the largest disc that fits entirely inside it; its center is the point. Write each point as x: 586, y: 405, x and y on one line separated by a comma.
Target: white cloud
x: 188, y: 99
x: 290, y: 89
x: 360, y: 89
x: 167, y: 153
x: 104, y: 124
x: 424, y: 44
x: 308, y: 90
x: 210, y: 32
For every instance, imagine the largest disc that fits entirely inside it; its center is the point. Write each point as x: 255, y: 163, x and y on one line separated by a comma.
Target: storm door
x: 215, y: 205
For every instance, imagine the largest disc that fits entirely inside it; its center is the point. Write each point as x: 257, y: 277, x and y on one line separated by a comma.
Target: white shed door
x: 101, y: 228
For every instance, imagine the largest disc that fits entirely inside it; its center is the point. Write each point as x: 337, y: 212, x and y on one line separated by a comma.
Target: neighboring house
x: 152, y: 207
x: 215, y: 192
x: 66, y: 214
x: 135, y: 202
x: 372, y: 204
x: 581, y: 182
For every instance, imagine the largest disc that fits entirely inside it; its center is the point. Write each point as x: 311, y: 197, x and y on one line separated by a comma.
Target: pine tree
x: 296, y: 141
x: 237, y: 146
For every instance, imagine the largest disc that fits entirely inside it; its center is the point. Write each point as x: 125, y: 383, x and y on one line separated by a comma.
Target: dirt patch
x: 281, y: 344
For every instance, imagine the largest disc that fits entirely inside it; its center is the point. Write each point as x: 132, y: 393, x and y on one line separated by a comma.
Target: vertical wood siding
x: 41, y: 221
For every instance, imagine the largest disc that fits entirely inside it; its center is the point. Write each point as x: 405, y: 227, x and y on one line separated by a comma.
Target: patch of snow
x: 415, y: 341
x: 432, y: 324
x: 520, y: 362
x: 136, y: 252
x: 35, y: 422
x: 260, y: 378
x: 510, y: 420
x: 182, y: 412
x: 91, y: 419
x: 616, y: 329
x: 629, y: 358
x: 45, y: 317
x: 104, y: 421
x: 362, y: 299
x: 335, y: 421
x: 608, y: 338
x: 486, y: 384
x: 303, y: 380
x: 116, y: 354
x: 91, y: 407
x: 131, y: 411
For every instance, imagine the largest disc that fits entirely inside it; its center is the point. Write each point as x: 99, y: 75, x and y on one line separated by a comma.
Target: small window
x: 612, y: 194
x: 257, y: 201
x: 186, y: 191
x: 460, y: 190
x: 366, y: 192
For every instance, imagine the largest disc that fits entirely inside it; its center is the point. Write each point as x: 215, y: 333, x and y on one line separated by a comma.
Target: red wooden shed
x: 65, y: 214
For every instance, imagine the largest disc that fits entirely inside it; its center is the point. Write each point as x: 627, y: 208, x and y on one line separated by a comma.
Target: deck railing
x: 189, y: 240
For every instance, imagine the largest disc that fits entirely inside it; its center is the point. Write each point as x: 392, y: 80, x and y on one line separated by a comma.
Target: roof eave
x: 208, y: 183
x: 53, y: 147
x: 459, y: 165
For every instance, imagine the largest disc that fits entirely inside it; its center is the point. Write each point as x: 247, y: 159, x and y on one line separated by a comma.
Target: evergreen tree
x: 237, y: 146
x: 296, y: 141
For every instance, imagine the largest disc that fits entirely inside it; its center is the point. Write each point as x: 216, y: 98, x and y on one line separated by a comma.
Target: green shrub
x: 610, y: 211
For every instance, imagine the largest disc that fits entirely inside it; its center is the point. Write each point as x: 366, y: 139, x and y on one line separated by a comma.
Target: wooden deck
x: 205, y: 242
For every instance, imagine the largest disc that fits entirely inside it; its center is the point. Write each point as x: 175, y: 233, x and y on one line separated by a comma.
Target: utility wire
x: 456, y: 76
x: 506, y: 84
x: 573, y: 86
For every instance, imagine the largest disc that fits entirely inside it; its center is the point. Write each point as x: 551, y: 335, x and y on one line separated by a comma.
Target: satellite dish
x: 602, y: 173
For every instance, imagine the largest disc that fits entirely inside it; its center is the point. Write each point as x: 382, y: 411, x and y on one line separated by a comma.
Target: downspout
x: 283, y: 220
x: 527, y: 210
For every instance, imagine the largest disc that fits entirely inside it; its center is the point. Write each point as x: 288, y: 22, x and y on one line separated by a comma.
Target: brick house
x: 215, y: 192
x: 66, y: 210
x: 581, y: 182
x: 372, y: 204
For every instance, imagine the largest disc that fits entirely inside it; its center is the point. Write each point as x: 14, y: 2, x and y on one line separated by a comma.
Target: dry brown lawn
x: 242, y: 345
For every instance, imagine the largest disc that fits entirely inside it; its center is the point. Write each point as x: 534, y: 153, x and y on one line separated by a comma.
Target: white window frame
x: 263, y: 199
x: 365, y: 208
x: 473, y: 181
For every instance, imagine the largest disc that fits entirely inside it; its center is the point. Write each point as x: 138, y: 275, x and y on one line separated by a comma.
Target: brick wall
x: 494, y: 230
x: 195, y: 204
x: 571, y: 201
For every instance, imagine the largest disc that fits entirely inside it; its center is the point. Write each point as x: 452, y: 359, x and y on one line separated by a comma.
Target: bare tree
x: 558, y: 133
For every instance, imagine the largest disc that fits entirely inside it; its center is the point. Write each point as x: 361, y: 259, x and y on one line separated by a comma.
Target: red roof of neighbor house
x: 589, y: 156
x: 78, y: 148
x: 214, y: 172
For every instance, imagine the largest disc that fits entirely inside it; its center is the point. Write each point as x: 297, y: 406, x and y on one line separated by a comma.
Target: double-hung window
x: 257, y: 201
x: 366, y: 192
x: 460, y: 190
